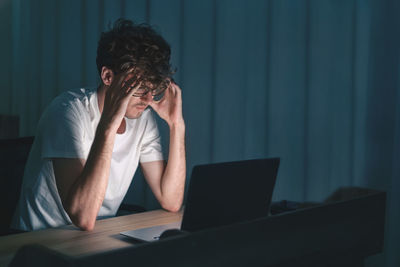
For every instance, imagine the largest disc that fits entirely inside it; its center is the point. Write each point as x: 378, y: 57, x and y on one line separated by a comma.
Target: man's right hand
x: 117, y: 97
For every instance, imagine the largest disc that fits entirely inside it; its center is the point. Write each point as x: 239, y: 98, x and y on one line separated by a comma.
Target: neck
x: 122, y: 127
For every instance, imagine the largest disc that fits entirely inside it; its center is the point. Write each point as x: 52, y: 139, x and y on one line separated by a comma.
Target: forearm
x: 173, y: 179
x: 87, y: 193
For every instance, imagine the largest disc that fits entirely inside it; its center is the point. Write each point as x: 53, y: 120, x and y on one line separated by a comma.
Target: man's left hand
x: 170, y: 106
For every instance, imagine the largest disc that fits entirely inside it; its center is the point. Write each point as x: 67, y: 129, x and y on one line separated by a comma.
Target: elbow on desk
x: 172, y: 207
x: 86, y: 226
x: 83, y: 223
x: 81, y: 220
x: 81, y: 217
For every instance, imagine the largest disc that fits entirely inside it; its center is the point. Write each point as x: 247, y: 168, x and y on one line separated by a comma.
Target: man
x: 90, y: 141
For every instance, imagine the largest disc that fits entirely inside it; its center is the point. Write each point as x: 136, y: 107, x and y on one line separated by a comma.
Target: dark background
x: 315, y: 82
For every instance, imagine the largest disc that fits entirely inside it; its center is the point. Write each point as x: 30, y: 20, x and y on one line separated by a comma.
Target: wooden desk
x: 71, y: 241
x: 342, y: 233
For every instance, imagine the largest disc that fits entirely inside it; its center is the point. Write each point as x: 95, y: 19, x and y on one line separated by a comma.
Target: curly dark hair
x: 128, y: 45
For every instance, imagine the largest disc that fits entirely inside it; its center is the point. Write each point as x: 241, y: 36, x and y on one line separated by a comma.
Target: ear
x: 107, y: 75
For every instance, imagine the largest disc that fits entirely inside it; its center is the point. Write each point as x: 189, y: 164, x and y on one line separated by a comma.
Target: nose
x: 147, y: 97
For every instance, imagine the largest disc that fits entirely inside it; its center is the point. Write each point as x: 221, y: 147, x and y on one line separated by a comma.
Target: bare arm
x: 168, y: 181
x: 82, y: 184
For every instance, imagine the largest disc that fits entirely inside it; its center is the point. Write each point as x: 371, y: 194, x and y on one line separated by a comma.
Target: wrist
x: 177, y: 125
x: 106, y: 129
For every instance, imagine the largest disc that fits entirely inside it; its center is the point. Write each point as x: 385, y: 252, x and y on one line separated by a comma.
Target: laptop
x: 222, y: 194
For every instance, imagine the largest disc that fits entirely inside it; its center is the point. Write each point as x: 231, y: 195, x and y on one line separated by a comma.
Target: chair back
x: 13, y: 156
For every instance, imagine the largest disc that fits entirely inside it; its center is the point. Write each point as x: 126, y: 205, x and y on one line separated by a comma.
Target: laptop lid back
x: 225, y: 193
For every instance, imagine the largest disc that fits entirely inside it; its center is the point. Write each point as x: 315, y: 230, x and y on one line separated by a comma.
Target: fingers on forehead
x: 131, y: 83
x: 127, y: 78
x: 124, y: 74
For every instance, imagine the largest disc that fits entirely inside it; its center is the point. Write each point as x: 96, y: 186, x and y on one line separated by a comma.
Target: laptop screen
x: 225, y: 193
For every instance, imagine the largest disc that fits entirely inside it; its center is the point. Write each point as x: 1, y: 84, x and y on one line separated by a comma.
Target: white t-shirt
x: 66, y: 130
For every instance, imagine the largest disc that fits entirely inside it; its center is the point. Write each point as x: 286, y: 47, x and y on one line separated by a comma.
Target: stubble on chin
x: 134, y: 116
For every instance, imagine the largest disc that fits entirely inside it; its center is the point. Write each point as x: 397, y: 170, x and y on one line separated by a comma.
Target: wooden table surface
x: 71, y: 241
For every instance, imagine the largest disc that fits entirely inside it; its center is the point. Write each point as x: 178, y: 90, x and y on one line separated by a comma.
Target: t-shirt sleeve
x: 151, y: 146
x: 62, y: 132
